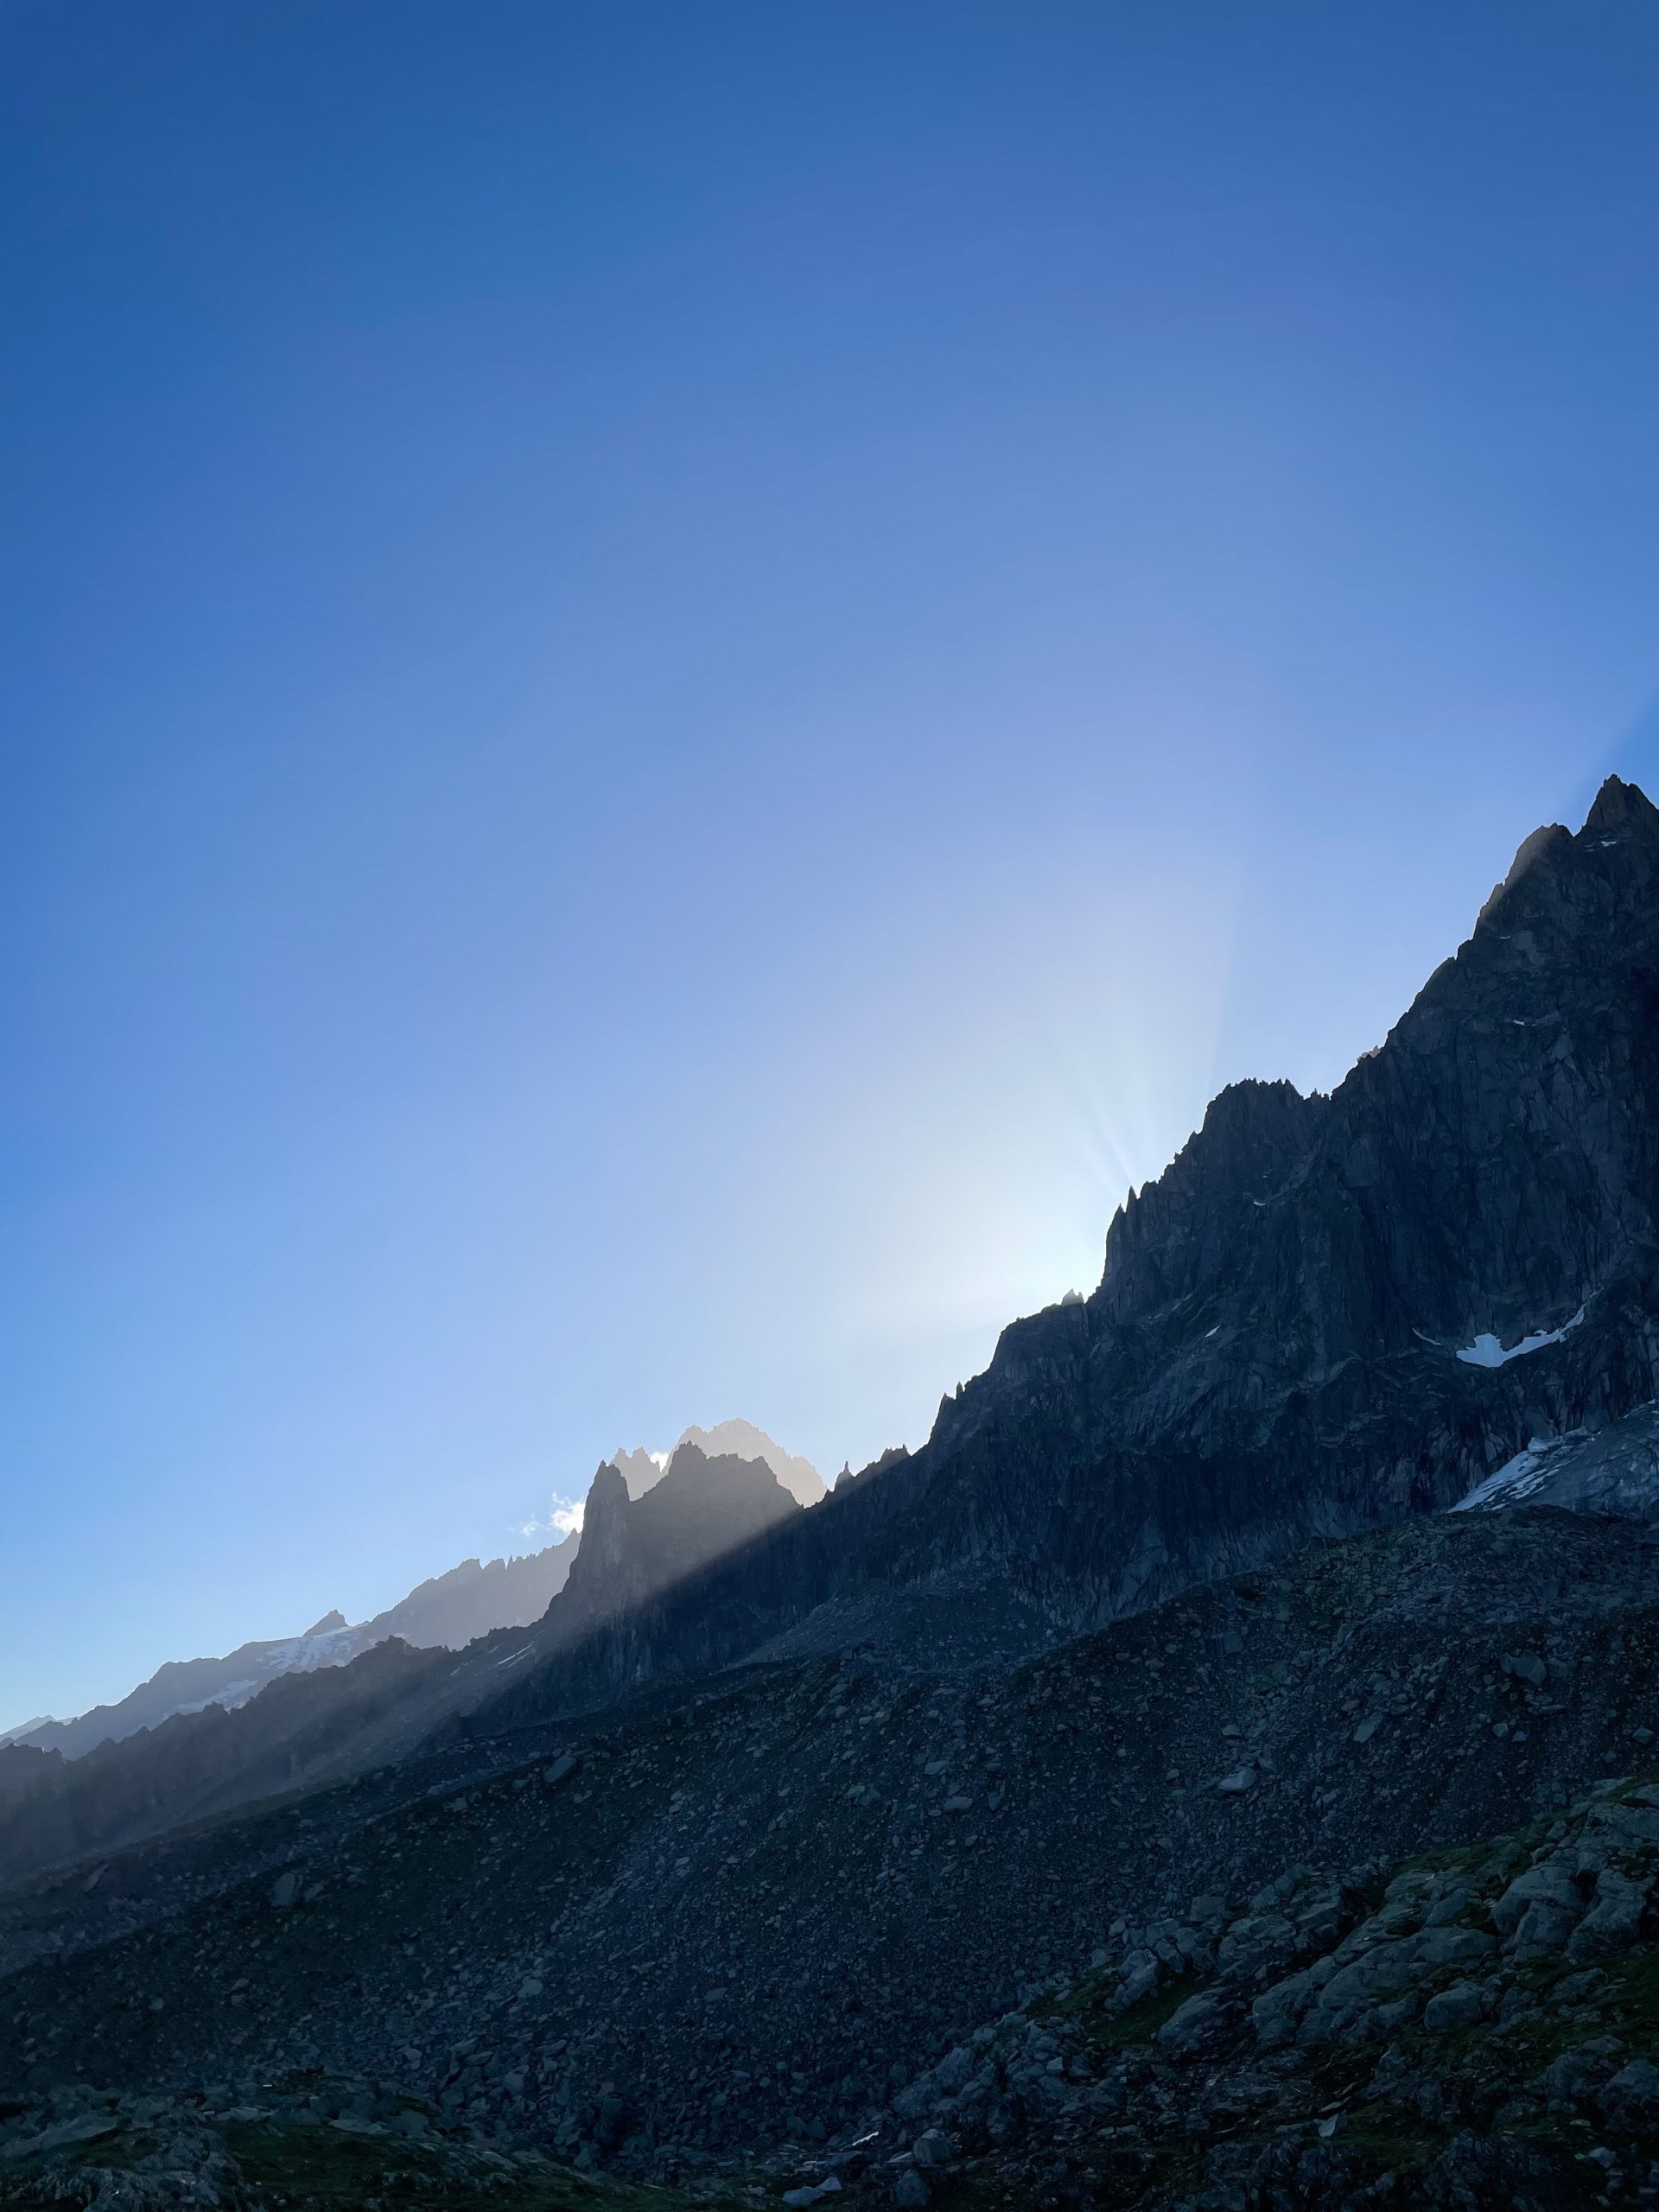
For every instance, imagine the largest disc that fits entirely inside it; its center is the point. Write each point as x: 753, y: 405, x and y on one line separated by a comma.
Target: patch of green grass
x: 1084, y: 1998
x: 1449, y: 1858
x: 1333, y: 2070
x: 1630, y: 1998
x: 320, y: 2166
x: 1140, y: 2023
x: 1390, y: 2137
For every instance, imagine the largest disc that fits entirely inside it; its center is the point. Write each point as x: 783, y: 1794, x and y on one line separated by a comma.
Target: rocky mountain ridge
x: 447, y: 1611
x: 315, y: 1727
x: 1278, y: 1347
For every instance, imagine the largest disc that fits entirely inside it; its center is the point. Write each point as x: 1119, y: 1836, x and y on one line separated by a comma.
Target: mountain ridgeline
x: 448, y: 1611
x: 1302, y: 1325
x: 319, y: 1724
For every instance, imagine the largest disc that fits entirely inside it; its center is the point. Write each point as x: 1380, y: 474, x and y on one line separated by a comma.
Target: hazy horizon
x: 680, y: 687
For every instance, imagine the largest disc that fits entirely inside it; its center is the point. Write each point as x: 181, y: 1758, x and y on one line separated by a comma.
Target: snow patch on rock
x: 1487, y: 1351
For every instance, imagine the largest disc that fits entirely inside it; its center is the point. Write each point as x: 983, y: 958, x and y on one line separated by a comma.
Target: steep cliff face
x: 1328, y: 1313
x: 1303, y: 1325
x: 702, y: 1510
x: 705, y: 1515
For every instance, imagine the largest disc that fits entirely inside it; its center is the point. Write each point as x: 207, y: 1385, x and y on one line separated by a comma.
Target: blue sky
x: 678, y: 681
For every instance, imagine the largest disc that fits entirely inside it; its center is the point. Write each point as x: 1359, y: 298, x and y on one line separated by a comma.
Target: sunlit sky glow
x: 680, y: 680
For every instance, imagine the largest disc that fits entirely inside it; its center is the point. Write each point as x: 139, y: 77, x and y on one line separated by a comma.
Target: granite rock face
x: 1328, y: 1313
x: 1279, y: 1343
x: 1612, y: 1470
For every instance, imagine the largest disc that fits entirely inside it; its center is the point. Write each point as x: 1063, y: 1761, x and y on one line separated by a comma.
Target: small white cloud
x: 563, y: 1518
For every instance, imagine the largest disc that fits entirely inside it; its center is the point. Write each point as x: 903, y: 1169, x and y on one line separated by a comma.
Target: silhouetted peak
x: 607, y: 1493
x: 1621, y: 814
x: 326, y: 1626
x: 1529, y: 853
x: 892, y: 1457
x: 1622, y: 809
x: 702, y: 1509
x: 1181, y: 1227
x: 1253, y: 1105
x: 604, y: 1510
x: 687, y: 1463
x: 734, y: 1439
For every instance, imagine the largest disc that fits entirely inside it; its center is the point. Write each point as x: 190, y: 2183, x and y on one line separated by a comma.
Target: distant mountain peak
x: 449, y: 1610
x: 640, y: 1469
x: 707, y: 1506
x: 26, y: 1728
x: 741, y: 1439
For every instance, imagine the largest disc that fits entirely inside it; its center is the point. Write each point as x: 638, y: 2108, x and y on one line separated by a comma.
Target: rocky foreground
x: 1016, y: 1936
x: 1479, y: 2028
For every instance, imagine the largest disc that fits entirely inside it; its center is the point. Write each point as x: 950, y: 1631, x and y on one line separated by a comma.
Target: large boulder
x: 1614, y: 1921
x: 1539, y: 1909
